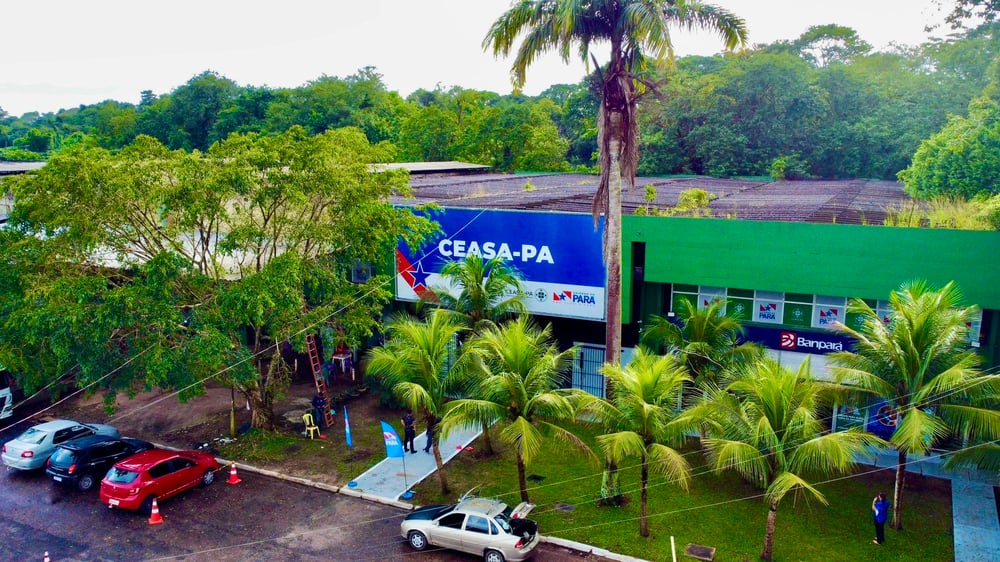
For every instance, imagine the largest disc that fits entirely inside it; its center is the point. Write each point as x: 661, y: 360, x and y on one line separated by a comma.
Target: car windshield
x: 33, y: 436
x: 121, y: 476
x: 63, y: 456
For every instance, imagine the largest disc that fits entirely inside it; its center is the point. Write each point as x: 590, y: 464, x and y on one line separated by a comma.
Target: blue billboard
x: 558, y: 256
x: 820, y: 343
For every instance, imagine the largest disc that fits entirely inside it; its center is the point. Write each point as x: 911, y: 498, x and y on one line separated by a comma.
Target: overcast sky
x: 62, y: 53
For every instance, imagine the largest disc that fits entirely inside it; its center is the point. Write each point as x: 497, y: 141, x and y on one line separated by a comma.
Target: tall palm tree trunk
x: 442, y: 477
x: 613, y: 244
x: 772, y: 518
x: 521, y: 479
x: 643, y: 522
x: 897, y: 494
x: 487, y: 442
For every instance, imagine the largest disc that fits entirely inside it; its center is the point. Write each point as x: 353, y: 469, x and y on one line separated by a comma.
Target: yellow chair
x: 312, y: 430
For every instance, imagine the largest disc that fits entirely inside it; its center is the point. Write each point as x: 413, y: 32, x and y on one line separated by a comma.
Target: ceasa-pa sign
x: 558, y: 256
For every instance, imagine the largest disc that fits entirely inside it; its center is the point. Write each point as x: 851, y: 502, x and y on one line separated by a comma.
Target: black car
x: 84, y: 462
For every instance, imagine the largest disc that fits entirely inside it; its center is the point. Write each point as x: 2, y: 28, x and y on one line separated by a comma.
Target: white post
x: 673, y: 548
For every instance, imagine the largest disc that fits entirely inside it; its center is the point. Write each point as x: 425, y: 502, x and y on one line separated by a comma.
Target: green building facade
x: 793, y: 278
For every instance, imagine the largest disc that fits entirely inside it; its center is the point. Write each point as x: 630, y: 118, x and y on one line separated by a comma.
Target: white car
x: 31, y: 449
x: 485, y: 527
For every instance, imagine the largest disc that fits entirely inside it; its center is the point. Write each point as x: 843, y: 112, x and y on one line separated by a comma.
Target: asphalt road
x: 260, y: 519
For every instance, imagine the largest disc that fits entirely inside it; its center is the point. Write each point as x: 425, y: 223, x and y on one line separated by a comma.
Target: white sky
x: 62, y: 53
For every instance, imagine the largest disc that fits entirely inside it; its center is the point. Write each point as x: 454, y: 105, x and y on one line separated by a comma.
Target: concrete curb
x: 588, y: 549
x: 344, y: 490
x: 376, y: 499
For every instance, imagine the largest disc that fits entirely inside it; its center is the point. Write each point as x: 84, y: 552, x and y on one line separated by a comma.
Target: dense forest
x: 825, y: 105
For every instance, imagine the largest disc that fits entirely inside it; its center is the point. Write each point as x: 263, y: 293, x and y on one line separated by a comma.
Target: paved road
x: 261, y: 519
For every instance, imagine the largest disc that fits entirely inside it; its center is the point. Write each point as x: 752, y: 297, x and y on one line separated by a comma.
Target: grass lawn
x: 711, y: 513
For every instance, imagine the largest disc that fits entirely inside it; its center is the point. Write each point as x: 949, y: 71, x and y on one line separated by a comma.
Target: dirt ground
x: 202, y: 421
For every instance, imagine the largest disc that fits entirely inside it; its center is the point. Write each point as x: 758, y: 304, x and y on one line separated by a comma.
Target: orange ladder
x: 317, y: 371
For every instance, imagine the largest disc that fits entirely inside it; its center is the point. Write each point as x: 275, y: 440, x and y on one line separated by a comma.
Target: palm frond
x: 786, y: 482
x: 670, y: 463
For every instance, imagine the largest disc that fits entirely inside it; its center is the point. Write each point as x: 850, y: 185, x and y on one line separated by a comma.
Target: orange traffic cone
x: 154, y: 514
x: 233, y: 478
x: 46, y: 558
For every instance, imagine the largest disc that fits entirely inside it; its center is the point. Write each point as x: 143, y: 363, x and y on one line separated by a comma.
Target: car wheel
x: 493, y: 556
x: 85, y: 483
x: 417, y: 540
x: 147, y: 505
x: 208, y: 477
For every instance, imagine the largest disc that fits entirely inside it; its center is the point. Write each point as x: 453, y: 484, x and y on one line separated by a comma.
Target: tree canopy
x: 192, y: 263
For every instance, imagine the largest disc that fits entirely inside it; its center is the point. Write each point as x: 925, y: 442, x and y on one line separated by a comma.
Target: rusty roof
x: 844, y: 202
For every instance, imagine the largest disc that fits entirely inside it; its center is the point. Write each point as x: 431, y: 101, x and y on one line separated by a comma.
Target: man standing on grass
x: 880, y: 512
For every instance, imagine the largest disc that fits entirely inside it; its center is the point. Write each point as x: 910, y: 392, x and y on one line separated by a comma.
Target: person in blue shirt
x: 880, y: 512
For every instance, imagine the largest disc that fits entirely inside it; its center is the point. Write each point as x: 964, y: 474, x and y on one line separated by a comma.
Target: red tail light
x: 48, y: 462
x: 27, y: 454
x: 72, y: 468
x: 520, y: 543
x: 5, y: 448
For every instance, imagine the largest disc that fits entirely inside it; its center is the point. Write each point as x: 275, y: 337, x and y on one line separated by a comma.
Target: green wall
x: 821, y: 259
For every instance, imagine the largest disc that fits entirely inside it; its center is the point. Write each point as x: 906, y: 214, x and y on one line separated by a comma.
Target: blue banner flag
x: 347, y: 428
x: 393, y: 446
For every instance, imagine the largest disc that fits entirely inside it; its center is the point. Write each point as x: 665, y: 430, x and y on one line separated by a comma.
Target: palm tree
x: 706, y: 339
x: 921, y: 364
x: 766, y: 426
x: 637, y: 31
x: 640, y: 415
x: 414, y: 364
x: 488, y: 292
x: 520, y: 389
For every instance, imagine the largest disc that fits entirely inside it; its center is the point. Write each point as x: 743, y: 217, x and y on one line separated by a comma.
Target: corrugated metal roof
x: 844, y: 202
x: 10, y: 168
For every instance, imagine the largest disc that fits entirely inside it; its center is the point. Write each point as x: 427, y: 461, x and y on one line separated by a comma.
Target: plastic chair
x: 312, y: 430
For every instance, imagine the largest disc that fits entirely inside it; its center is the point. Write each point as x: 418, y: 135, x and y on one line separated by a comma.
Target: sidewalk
x: 392, y: 477
x: 974, y: 508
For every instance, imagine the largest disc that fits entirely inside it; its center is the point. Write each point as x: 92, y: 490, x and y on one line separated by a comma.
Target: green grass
x: 330, y: 456
x: 711, y: 513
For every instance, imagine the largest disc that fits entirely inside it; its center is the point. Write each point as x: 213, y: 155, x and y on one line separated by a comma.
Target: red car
x: 134, y: 482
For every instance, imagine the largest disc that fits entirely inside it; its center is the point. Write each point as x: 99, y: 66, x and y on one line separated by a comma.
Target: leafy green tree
x: 259, y: 234
x: 578, y: 125
x: 963, y: 159
x: 185, y: 117
x: 767, y: 426
x: 920, y: 363
x: 822, y: 45
x: 521, y: 389
x: 966, y: 10
x: 641, y: 419
x: 36, y: 141
x: 428, y: 134
x: 246, y: 113
x: 637, y: 31
x: 416, y: 364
